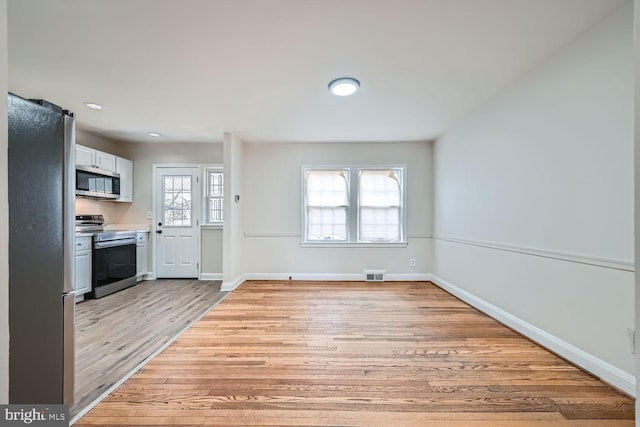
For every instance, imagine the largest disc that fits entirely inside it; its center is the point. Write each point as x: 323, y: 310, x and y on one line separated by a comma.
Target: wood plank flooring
x: 357, y: 354
x: 116, y: 333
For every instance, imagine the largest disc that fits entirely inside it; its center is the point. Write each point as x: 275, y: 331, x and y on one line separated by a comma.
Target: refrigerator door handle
x: 69, y: 201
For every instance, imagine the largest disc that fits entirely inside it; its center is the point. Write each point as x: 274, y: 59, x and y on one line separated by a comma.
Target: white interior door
x: 177, y: 222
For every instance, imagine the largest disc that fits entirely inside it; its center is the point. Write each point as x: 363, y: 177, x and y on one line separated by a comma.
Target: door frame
x: 198, y: 168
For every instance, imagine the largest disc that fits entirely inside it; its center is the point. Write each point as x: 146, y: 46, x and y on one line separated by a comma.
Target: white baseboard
x: 598, y: 367
x: 203, y: 276
x: 303, y: 276
x: 210, y: 276
x: 402, y: 277
x: 330, y: 277
x: 233, y: 284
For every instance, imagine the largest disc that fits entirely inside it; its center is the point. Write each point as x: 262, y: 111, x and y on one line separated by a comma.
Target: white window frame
x: 353, y: 208
x: 306, y: 210
x: 401, y: 206
x: 207, y: 223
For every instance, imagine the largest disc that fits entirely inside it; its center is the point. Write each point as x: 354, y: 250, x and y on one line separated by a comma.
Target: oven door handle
x: 114, y: 243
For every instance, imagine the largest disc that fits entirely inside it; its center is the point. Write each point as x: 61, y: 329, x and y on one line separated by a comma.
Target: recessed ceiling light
x: 344, y: 86
x: 93, y: 105
x: 153, y: 134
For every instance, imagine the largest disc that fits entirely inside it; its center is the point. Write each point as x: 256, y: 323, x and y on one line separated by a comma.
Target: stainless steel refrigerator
x: 41, y: 252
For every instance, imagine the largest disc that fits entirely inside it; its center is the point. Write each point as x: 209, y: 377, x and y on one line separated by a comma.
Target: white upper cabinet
x: 86, y: 156
x: 105, y: 161
x: 125, y: 168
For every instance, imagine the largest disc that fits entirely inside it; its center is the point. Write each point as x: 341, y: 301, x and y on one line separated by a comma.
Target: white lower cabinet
x: 142, y: 255
x: 82, y: 283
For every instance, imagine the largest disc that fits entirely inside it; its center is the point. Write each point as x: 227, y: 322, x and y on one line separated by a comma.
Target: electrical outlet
x: 149, y: 215
x: 412, y: 262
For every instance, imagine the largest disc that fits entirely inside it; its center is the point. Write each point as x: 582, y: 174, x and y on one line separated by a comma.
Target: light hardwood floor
x: 357, y: 354
x: 116, y: 333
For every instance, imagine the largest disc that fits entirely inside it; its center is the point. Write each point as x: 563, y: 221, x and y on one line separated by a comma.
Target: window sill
x: 352, y: 245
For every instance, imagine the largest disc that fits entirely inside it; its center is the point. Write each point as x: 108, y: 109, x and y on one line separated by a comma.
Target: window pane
x: 380, y: 205
x: 327, y: 200
x: 379, y: 224
x: 379, y: 188
x: 216, y: 210
x: 327, y: 188
x: 215, y: 192
x: 177, y: 200
x: 327, y: 223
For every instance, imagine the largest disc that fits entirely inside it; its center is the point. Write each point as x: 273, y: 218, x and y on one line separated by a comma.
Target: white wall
x: 4, y: 213
x: 272, y: 214
x: 212, y: 242
x: 636, y: 9
x: 97, y: 142
x: 144, y: 156
x: 534, y: 201
x: 233, y: 257
x: 112, y: 211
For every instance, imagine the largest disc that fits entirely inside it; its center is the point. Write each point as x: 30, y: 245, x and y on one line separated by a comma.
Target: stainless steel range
x: 114, y: 256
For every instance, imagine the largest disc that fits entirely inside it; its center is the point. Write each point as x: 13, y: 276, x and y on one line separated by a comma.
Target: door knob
x: 159, y: 231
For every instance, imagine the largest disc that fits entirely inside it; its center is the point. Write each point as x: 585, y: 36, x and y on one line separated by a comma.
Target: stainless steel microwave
x: 97, y: 183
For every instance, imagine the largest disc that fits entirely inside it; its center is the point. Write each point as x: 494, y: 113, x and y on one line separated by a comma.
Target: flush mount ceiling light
x: 153, y: 134
x: 93, y: 105
x: 344, y: 86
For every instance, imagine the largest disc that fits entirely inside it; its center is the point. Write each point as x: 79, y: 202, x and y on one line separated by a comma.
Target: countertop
x: 138, y: 228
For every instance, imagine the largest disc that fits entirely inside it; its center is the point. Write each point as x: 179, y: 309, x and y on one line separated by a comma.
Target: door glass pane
x: 176, y: 194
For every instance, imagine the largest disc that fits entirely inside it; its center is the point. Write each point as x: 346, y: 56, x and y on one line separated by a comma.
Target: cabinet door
x: 85, y: 156
x: 83, y: 272
x: 139, y: 256
x: 141, y: 260
x: 142, y: 255
x: 145, y: 259
x: 105, y: 161
x: 125, y: 168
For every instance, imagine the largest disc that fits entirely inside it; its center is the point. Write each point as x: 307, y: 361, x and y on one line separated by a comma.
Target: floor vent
x: 374, y: 275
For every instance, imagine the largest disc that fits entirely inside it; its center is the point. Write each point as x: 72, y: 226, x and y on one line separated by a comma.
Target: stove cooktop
x: 89, y: 223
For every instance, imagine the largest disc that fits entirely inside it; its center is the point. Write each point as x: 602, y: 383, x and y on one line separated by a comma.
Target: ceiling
x: 193, y: 69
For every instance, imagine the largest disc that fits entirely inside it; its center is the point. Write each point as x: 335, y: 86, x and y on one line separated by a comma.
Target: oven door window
x: 113, y: 264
